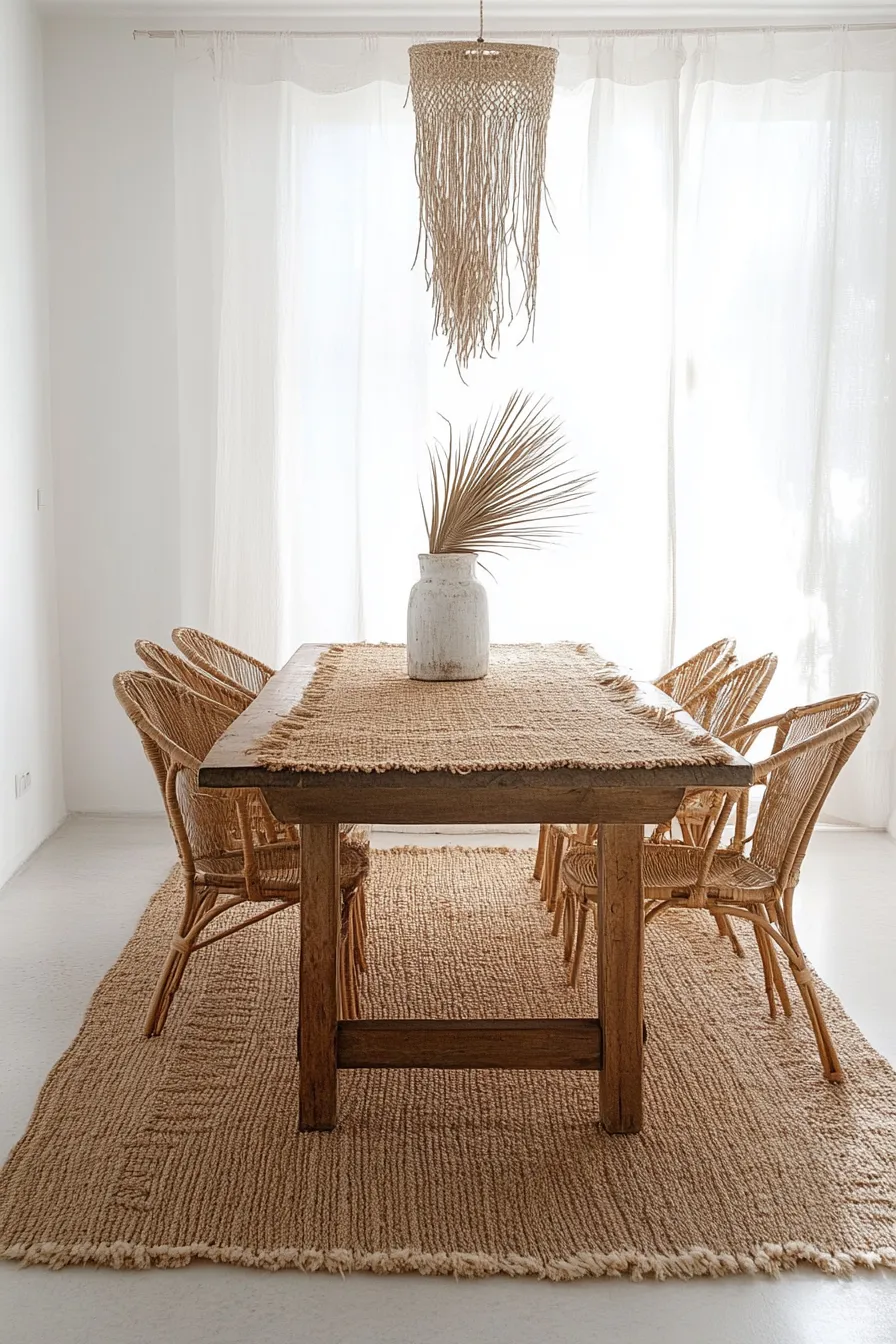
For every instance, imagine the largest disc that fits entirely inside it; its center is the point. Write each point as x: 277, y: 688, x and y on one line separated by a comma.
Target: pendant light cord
x: 480, y: 38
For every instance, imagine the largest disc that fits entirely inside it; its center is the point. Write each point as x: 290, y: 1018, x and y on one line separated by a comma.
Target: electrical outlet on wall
x: 23, y: 783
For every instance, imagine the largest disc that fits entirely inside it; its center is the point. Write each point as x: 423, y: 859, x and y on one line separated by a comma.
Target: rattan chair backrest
x: 178, y: 729
x: 732, y: 698
x: 165, y: 663
x: 812, y: 744
x: 682, y: 682
x: 221, y: 660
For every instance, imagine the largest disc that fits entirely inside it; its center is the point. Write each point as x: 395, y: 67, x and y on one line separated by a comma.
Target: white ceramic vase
x: 447, y: 621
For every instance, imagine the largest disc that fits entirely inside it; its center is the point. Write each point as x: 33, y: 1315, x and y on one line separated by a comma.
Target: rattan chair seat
x: 674, y: 867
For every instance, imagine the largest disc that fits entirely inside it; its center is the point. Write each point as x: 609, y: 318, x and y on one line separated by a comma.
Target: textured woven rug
x: 154, y: 1152
x: 542, y: 706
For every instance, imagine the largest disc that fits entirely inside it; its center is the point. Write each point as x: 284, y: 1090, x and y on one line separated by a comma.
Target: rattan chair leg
x: 176, y: 961
x: 349, y: 972
x: 557, y: 894
x: 803, y: 976
x: 829, y: 1061
x: 345, y: 1001
x: 570, y: 923
x: 575, y: 965
x: 781, y: 988
x: 359, y: 922
x: 727, y: 930
x: 342, y: 1006
x: 558, y: 906
x: 783, y: 996
x: 546, y: 862
x: 165, y: 990
x: 355, y: 973
x: 151, y: 1024
x: 551, y: 875
x: 804, y: 979
x: 361, y: 898
x: 539, y: 853
x: 765, y: 953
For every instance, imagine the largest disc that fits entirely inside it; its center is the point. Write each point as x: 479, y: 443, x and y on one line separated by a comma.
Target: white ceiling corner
x: 541, y: 15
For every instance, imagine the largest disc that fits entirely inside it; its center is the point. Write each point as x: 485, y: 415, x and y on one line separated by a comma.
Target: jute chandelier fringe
x: 481, y: 111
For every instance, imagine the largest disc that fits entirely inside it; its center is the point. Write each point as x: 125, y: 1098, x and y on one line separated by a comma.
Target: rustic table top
x: 236, y: 759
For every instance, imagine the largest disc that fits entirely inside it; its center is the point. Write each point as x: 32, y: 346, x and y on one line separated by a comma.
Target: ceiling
x: 541, y: 15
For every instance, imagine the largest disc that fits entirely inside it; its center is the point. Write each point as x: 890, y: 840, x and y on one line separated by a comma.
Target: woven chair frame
x: 811, y: 746
x: 222, y: 661
x: 223, y: 864
x: 686, y: 680
x: 722, y: 705
x: 730, y: 698
x: 725, y: 701
x: 165, y: 663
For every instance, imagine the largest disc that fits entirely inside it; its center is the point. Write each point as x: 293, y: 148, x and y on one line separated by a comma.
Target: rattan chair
x: 730, y: 699
x: 223, y: 863
x: 221, y: 660
x: 726, y: 703
x: 723, y: 703
x: 167, y: 664
x: 812, y: 744
x: 680, y: 683
x: 683, y: 682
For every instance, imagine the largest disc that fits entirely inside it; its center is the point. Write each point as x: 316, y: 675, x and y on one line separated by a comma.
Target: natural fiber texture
x: 482, y: 116
x: 685, y: 679
x: 732, y: 698
x: 222, y: 661
x: 157, y: 1152
x: 725, y: 702
x: 503, y: 485
x: 167, y: 664
x: 230, y: 846
x: 541, y: 707
x: 812, y: 745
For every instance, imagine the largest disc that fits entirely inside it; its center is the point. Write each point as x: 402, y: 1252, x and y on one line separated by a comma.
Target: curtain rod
x: 171, y: 33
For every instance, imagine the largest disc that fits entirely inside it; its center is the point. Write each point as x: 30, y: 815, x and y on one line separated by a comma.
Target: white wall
x: 29, y: 704
x: 114, y: 386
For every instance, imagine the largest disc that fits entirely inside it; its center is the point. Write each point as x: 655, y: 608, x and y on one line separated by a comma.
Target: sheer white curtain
x: 783, y: 343
x: 714, y: 327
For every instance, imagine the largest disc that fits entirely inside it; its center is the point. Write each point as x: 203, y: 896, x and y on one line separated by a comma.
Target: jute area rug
x: 156, y: 1152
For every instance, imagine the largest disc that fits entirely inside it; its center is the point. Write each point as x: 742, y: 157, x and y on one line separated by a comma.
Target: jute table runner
x: 541, y: 707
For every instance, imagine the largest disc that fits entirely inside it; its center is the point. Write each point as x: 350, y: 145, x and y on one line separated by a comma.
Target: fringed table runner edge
x: 273, y: 749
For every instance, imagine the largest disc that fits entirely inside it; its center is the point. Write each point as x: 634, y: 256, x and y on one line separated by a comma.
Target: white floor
x: 63, y: 921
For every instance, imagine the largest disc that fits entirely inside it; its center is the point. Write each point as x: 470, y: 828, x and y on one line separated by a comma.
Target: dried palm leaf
x: 503, y: 486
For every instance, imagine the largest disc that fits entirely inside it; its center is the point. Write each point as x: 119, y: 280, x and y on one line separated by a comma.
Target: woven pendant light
x: 481, y: 111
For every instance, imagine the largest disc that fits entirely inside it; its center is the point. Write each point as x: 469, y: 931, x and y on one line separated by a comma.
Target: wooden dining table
x: 622, y: 801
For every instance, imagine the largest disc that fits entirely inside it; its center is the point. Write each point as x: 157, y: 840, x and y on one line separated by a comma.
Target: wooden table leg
x: 621, y: 976
x: 319, y: 983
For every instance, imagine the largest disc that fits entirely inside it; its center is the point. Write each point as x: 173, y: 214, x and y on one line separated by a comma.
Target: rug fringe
x: 698, y: 1262
x: 455, y: 849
